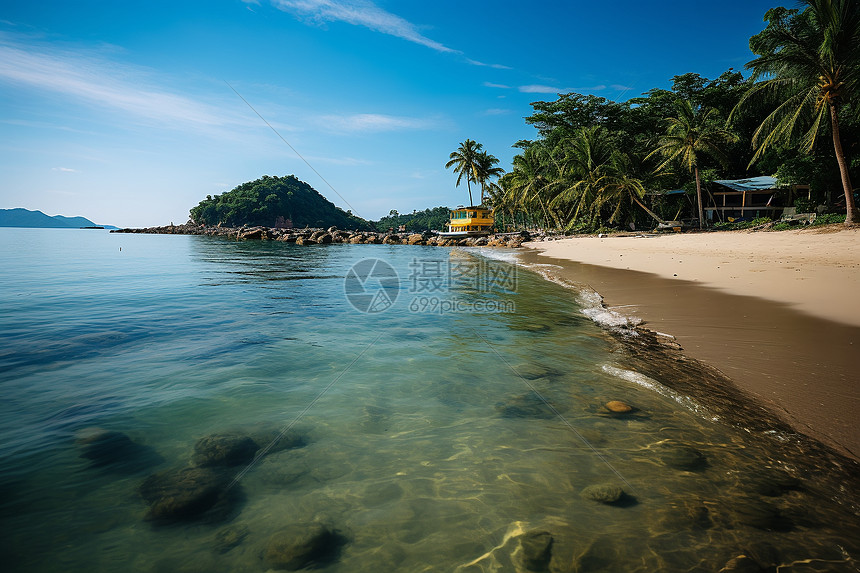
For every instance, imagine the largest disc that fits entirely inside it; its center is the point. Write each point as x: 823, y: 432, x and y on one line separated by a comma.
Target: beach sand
x: 778, y: 313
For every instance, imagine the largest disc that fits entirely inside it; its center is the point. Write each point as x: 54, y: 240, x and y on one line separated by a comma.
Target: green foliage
x: 829, y: 219
x: 274, y: 201
x: 804, y: 205
x: 417, y: 222
x: 733, y: 226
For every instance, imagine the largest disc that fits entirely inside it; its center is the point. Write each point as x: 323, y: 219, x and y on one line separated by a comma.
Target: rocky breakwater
x: 334, y: 235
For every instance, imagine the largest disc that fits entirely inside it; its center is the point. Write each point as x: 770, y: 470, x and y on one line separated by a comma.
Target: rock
x: 537, y: 550
x: 415, y: 239
x: 175, y: 495
x: 618, y: 407
x: 742, y: 564
x: 356, y: 239
x: 305, y: 241
x: 273, y: 441
x: 391, y: 240
x: 684, y: 458
x: 372, y: 240
x: 775, y: 483
x: 299, y: 546
x: 114, y: 451
x: 224, y: 450
x: 601, y: 555
x: 257, y: 233
x: 229, y: 537
x: 325, y: 239
x: 604, y: 493
x: 331, y: 230
x: 761, y: 515
x: 525, y: 406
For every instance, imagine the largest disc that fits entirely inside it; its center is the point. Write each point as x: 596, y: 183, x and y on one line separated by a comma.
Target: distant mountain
x: 27, y: 218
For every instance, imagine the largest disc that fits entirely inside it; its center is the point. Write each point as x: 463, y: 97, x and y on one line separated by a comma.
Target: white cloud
x: 496, y: 111
x: 482, y: 64
x: 499, y: 86
x: 360, y: 13
x: 94, y: 80
x: 373, y: 123
x: 64, y: 169
x: 542, y: 89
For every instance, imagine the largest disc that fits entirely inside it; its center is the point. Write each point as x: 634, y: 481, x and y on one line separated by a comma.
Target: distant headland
x: 37, y: 219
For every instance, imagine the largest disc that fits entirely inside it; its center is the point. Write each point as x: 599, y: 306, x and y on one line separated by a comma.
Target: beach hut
x: 748, y: 198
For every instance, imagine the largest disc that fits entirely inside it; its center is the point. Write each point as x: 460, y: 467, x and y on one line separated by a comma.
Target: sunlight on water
x: 417, y: 441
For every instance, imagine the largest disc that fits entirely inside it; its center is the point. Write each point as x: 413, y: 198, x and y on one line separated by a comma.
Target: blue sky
x: 122, y: 112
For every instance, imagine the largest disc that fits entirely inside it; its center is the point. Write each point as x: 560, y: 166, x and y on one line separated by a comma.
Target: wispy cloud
x: 542, y: 89
x: 498, y: 86
x: 89, y: 78
x: 360, y: 13
x: 482, y: 64
x: 496, y: 111
x: 374, y: 123
x: 64, y: 169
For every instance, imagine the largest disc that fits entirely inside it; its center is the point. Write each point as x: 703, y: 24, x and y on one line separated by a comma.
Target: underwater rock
x: 537, y: 549
x: 114, y: 450
x: 301, y: 545
x: 175, y: 495
x: 742, y: 564
x: 618, y: 407
x: 273, y: 440
x: 525, y: 406
x: 607, y: 494
x: 532, y: 371
x: 761, y: 515
x: 599, y: 556
x: 229, y: 537
x: 224, y: 450
x: 684, y: 458
x: 774, y: 483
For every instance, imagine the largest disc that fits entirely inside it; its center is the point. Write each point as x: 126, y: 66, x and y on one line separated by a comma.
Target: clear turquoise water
x: 428, y: 451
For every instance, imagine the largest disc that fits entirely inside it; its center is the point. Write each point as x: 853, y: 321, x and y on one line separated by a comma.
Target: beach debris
x: 685, y: 458
x: 224, y: 450
x: 301, y: 545
x: 606, y: 493
x: 619, y: 407
x: 110, y: 449
x: 229, y: 537
x: 187, y: 493
x: 536, y: 546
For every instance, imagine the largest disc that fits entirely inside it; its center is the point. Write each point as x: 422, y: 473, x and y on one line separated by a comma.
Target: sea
x: 188, y: 404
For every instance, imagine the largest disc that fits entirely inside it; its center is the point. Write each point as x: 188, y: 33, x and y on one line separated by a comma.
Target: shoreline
x: 802, y: 367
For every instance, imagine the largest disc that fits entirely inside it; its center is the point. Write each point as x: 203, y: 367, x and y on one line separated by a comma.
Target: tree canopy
x: 274, y: 202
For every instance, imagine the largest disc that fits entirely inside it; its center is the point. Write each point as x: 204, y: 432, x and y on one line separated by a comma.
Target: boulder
x: 183, y: 494
x: 302, y: 545
x: 391, y: 240
x: 356, y: 239
x: 331, y: 230
x: 618, y: 407
x: 415, y: 239
x: 103, y: 446
x: 229, y: 537
x: 224, y: 450
x: 685, y: 458
x: 536, y: 546
x: 603, y: 493
x: 325, y: 239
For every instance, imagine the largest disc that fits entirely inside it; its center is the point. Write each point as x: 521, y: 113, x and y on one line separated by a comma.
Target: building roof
x: 761, y: 183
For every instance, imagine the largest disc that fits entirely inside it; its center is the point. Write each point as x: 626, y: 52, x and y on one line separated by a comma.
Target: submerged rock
x: 525, y: 406
x: 619, y: 407
x: 175, y: 495
x: 224, y: 450
x: 115, y: 451
x: 229, y: 537
x: 599, y: 556
x: 301, y: 545
x: 774, y: 483
x: 742, y: 564
x: 684, y: 458
x: 761, y: 515
x: 537, y: 550
x: 608, y: 494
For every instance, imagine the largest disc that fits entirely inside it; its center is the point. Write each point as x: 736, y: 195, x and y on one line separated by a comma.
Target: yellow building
x: 471, y: 221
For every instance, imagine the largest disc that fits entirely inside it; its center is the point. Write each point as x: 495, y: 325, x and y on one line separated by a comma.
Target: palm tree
x: 812, y: 62
x: 465, y: 163
x: 485, y: 169
x: 690, y: 133
x: 528, y: 184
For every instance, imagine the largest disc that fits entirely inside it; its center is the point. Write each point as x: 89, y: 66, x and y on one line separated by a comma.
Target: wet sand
x: 802, y: 367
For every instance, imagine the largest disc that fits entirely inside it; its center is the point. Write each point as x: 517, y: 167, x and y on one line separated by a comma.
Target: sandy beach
x: 776, y: 312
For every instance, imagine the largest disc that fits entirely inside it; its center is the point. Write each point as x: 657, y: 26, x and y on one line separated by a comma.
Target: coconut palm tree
x: 465, y: 163
x: 691, y: 133
x: 810, y: 60
x: 529, y: 183
x: 485, y: 170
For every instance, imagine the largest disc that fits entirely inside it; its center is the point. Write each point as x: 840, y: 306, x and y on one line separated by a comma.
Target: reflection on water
x: 452, y: 442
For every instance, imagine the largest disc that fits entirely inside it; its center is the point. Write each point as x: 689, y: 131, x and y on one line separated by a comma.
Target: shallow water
x: 434, y: 440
